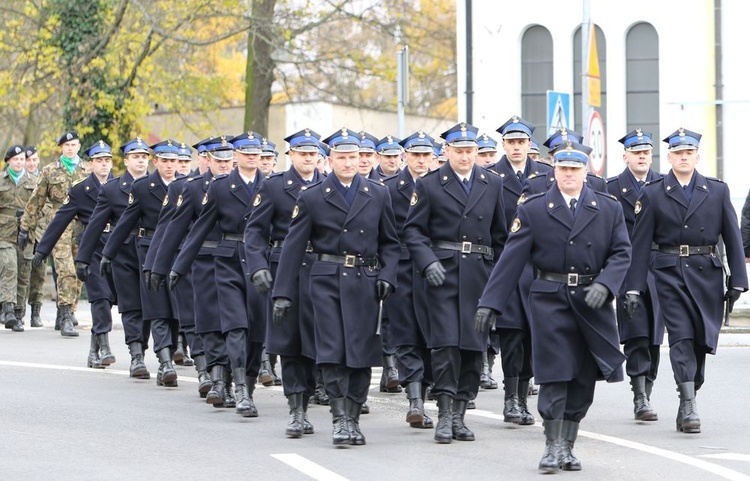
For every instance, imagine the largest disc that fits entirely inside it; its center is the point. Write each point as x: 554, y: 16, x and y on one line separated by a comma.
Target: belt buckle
x: 107, y: 228
x: 466, y: 247
x: 350, y: 261
x: 572, y: 279
x: 141, y: 232
x: 684, y: 250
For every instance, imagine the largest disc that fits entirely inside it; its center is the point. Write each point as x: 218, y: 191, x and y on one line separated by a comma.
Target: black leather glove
x: 23, y: 238
x: 38, y: 259
x: 82, y: 271
x: 730, y: 297
x: 484, y: 319
x: 281, y: 307
x: 384, y: 289
x: 435, y: 274
x: 596, y: 295
x: 158, y: 281
x: 147, y: 278
x: 631, y: 302
x: 262, y: 281
x: 105, y: 266
x: 174, y: 279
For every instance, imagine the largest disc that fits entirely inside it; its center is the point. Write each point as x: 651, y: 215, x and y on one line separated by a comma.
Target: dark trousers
x: 643, y: 358
x: 299, y: 375
x: 515, y: 353
x: 164, y: 332
x: 136, y: 329
x: 346, y: 382
x: 569, y: 400
x: 688, y: 362
x: 456, y: 372
x: 385, y: 336
x: 254, y: 354
x: 215, y: 349
x: 414, y: 364
x: 101, y: 316
x: 194, y: 341
x: 237, y: 347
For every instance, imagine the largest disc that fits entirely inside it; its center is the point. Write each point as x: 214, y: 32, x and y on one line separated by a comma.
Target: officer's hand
x: 731, y: 297
x: 158, y: 281
x: 262, y: 281
x: 484, y: 319
x: 596, y: 295
x: 281, y: 307
x: 105, y: 266
x: 82, y: 271
x: 384, y: 289
x: 630, y: 304
x: 23, y: 239
x: 435, y: 274
x: 38, y: 259
x: 174, y: 279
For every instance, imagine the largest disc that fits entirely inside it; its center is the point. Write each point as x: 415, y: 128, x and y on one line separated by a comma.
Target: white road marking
x: 729, y: 456
x: 308, y: 468
x: 57, y: 367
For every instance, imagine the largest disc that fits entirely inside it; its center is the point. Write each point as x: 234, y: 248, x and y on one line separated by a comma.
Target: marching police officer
x: 487, y: 155
x: 642, y: 333
x: 367, y: 155
x: 348, y: 220
x: 580, y: 255
x: 455, y: 227
x: 683, y: 214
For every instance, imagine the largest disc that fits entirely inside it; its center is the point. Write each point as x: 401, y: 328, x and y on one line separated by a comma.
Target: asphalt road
x: 62, y: 421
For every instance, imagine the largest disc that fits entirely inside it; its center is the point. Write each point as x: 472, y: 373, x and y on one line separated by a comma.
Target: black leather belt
x: 210, y: 244
x: 233, y: 237
x: 142, y: 232
x: 465, y: 247
x: 685, y: 250
x: 108, y: 228
x: 350, y: 260
x: 570, y: 279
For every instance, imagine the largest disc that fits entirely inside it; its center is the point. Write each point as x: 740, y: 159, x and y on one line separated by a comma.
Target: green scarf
x: 70, y: 164
x: 16, y: 177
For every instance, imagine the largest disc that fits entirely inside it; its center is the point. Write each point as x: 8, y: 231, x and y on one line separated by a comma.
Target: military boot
x: 66, y: 322
x: 568, y: 435
x: 550, y: 462
x: 107, y: 357
x: 511, y: 409
x: 527, y: 419
x: 229, y: 399
x: 444, y: 428
x: 204, y: 381
x: 36, y: 315
x: 308, y: 428
x: 94, y: 361
x: 415, y: 414
x: 296, y: 425
x: 58, y: 319
x: 340, y: 424
x: 138, y: 368
x: 9, y: 314
x: 73, y: 318
x: 687, y: 415
x: 353, y: 410
x: 649, y: 387
x: 641, y: 407
x: 241, y: 393
x: 215, y: 395
x: 19, y: 313
x: 460, y: 431
x: 389, y: 379
x: 179, y: 353
x: 166, y: 375
x: 427, y: 423
x: 276, y: 379
x: 250, y: 391
x: 365, y: 408
x: 264, y: 375
x: 486, y: 381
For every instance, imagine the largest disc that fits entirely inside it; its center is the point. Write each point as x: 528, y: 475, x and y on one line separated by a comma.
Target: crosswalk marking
x: 308, y: 468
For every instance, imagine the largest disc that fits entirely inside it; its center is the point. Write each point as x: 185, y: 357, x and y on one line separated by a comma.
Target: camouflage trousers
x: 68, y: 285
x: 15, y: 268
x: 36, y: 284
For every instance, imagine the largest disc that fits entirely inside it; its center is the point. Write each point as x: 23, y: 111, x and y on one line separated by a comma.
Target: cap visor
x: 639, y: 148
x: 463, y: 143
x: 678, y: 148
x: 570, y: 163
x: 422, y: 149
x: 248, y: 150
x: 304, y: 148
x: 516, y: 135
x: 346, y: 148
x: 166, y: 155
x: 222, y: 154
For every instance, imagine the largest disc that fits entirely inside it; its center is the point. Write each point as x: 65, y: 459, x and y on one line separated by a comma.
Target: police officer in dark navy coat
x: 145, y: 201
x: 455, y: 228
x: 294, y: 339
x: 577, y: 243
x: 681, y: 217
x: 367, y: 167
x: 125, y: 277
x: 348, y: 220
x: 407, y: 307
x: 228, y: 203
x: 642, y: 333
x: 80, y: 203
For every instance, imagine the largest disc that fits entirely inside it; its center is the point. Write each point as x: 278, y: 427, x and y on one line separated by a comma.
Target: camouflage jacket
x: 46, y: 216
x: 13, y: 198
x: 53, y: 186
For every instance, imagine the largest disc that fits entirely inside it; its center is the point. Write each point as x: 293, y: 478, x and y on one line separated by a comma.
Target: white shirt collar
x: 246, y: 180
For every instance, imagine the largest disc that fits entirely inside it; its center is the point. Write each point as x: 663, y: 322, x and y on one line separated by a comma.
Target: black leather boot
x: 353, y: 410
x: 415, y: 414
x: 276, y: 379
x: 166, y: 375
x: 550, y: 462
x: 94, y: 361
x: 9, y: 315
x: 295, y: 427
x: 427, y: 423
x: 649, y: 387
x: 58, y: 319
x: 66, y: 322
x: 204, y: 381
x: 320, y: 396
x: 179, y: 353
x: 308, y: 428
x: 389, y: 379
x: 264, y: 375
x: 73, y: 318
x: 229, y: 400
x: 460, y: 431
x: 365, y: 408
x: 216, y: 395
x: 340, y: 424
x: 568, y: 435
x: 486, y: 381
x: 138, y: 368
x: 241, y: 393
x: 444, y: 428
x: 641, y: 407
x: 36, y: 315
x: 19, y: 313
x: 250, y: 392
x: 688, y: 420
x: 527, y: 419
x: 105, y: 352
x: 511, y: 409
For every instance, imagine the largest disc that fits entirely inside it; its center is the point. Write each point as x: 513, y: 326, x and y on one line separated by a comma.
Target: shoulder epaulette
x: 612, y: 179
x: 219, y: 177
x: 531, y: 176
x: 78, y: 181
x: 532, y: 197
x: 606, y: 195
x: 275, y: 174
x: 190, y: 179
x: 141, y: 179
x: 376, y: 182
x: 715, y: 179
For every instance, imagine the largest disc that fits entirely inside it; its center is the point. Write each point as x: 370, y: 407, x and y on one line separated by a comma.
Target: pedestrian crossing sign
x: 559, y: 114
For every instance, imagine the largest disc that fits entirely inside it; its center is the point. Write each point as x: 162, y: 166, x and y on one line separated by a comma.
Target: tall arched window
x: 536, y: 77
x: 581, y: 125
x: 642, y: 76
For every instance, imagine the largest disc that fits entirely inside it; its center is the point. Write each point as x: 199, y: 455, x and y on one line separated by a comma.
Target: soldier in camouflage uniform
x: 54, y: 183
x: 15, y: 189
x: 38, y: 274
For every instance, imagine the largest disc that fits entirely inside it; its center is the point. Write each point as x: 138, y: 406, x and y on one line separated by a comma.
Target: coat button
x: 572, y: 293
x: 480, y: 217
x: 463, y: 256
x: 572, y: 242
x: 344, y: 274
x: 361, y: 232
x: 572, y: 268
x: 345, y: 231
x: 464, y: 237
x: 685, y: 227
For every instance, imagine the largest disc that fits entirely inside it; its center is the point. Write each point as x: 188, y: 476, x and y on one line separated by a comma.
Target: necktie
x: 641, y: 183
x: 573, y: 203
x: 519, y: 174
x: 466, y: 185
